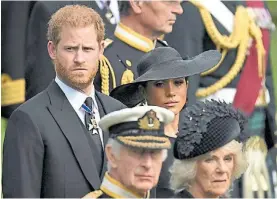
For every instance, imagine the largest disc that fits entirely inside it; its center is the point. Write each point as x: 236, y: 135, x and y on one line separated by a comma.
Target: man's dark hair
x: 124, y: 7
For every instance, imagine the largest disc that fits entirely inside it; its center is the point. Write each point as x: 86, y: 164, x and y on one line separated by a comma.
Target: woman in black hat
x: 208, y: 157
x: 162, y: 82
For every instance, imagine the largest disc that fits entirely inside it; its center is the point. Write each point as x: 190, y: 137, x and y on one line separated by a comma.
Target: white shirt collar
x: 75, y: 97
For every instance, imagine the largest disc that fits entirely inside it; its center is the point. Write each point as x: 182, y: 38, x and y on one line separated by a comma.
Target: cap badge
x: 149, y: 121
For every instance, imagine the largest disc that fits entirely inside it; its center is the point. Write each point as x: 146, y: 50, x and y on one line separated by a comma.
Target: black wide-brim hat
x: 161, y: 64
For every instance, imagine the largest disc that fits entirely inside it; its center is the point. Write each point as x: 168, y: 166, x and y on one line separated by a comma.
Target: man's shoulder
x: 32, y: 110
x: 35, y: 104
x: 110, y: 102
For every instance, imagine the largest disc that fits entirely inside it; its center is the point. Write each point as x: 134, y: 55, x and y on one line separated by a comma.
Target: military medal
x: 92, y: 126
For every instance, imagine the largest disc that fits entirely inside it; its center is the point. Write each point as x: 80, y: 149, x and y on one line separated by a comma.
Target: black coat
x: 183, y: 194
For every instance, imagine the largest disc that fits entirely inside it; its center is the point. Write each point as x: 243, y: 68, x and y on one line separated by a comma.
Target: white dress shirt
x: 76, y: 99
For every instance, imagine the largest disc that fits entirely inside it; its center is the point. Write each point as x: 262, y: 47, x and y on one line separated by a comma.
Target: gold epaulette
x: 12, y: 91
x: 128, y: 75
x: 107, y: 42
x: 105, y: 68
x: 244, y: 29
x: 94, y: 194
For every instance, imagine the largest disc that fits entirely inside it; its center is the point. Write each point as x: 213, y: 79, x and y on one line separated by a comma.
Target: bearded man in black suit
x: 53, y: 145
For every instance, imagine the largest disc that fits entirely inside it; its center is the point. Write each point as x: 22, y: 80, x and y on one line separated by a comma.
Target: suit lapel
x: 102, y: 112
x: 68, y: 121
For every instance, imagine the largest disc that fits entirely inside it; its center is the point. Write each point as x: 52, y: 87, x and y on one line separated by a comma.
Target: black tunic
x: 183, y: 194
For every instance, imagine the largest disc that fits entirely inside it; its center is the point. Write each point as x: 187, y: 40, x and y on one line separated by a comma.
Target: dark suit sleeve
x: 187, y: 38
x: 116, y: 105
x: 270, y: 129
x: 22, y: 158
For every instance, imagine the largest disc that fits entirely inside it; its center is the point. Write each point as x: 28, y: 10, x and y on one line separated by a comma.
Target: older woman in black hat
x: 208, y: 157
x: 162, y: 82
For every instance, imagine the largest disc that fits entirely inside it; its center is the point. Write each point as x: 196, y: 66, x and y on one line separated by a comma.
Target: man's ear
x: 101, y: 48
x: 136, y: 6
x: 51, y: 50
x: 111, y: 156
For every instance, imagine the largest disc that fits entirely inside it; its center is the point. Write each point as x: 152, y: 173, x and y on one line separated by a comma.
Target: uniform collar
x: 115, y: 189
x: 133, y: 38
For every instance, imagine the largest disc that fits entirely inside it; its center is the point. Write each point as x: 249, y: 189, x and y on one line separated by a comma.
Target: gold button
x: 129, y: 63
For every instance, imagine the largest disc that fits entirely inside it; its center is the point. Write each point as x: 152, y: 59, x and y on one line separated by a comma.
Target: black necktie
x: 93, y: 129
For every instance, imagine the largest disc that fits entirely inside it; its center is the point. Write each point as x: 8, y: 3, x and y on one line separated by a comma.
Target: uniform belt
x: 228, y: 94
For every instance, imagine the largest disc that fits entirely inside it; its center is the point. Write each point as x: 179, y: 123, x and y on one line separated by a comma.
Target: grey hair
x: 116, y: 147
x: 183, y: 172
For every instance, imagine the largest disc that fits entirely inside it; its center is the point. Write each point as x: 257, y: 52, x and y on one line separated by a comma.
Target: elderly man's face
x: 159, y: 16
x: 138, y: 169
x: 214, y: 173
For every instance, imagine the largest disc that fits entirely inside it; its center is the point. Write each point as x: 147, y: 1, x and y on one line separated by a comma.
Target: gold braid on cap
x: 153, y: 142
x: 244, y: 29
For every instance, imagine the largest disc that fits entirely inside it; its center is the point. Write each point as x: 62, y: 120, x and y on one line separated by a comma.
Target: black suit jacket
x: 46, y: 152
